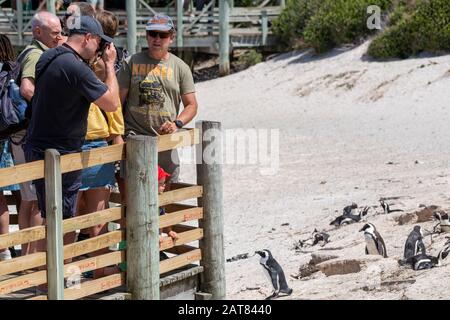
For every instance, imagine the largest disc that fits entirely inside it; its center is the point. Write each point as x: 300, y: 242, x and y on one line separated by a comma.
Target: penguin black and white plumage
x: 387, y: 209
x: 374, y: 241
x: 320, y: 237
x: 424, y: 261
x: 414, y: 243
x: 275, y: 273
x: 443, y: 219
x: 350, y: 215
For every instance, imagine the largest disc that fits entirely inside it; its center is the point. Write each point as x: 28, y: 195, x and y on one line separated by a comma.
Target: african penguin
x: 424, y: 261
x: 443, y: 219
x: 374, y: 241
x: 386, y: 208
x: 275, y: 273
x: 350, y: 216
x: 351, y: 209
x: 414, y: 243
x: 321, y: 237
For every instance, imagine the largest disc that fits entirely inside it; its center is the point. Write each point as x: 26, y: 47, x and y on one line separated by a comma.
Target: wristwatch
x: 179, y: 124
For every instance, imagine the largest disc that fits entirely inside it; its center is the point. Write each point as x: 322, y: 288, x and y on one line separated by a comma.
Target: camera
x: 102, y: 47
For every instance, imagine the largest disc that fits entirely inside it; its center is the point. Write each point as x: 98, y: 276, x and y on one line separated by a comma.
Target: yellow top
x: 99, y: 128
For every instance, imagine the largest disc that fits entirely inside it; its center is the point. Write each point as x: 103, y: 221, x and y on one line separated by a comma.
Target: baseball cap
x: 162, y: 173
x: 91, y: 25
x: 160, y: 22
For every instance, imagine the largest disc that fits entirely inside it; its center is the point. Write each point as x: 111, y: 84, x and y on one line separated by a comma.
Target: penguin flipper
x: 274, y: 278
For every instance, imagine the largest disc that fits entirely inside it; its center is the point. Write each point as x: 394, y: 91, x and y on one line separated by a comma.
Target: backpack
x: 12, y: 105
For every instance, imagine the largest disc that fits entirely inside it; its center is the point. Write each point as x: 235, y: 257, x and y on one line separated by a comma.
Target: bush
x: 338, y: 22
x: 250, y: 58
x: 426, y: 28
x: 293, y: 19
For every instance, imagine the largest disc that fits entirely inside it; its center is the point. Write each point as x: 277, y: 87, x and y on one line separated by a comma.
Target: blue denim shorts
x: 71, y: 183
x: 100, y: 176
x: 6, y: 161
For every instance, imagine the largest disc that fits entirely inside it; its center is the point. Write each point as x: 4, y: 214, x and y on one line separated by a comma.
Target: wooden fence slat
x: 23, y: 263
x: 91, y: 287
x: 72, y: 224
x: 178, y: 139
x: 184, y: 237
x: 21, y: 173
x: 40, y: 277
x: 170, y: 219
x: 180, y: 261
x: 180, y: 195
x: 93, y: 244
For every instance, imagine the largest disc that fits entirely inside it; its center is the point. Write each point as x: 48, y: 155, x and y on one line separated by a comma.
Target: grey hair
x: 42, y: 18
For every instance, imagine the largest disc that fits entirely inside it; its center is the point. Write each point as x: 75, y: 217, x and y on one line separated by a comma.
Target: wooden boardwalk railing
x: 28, y: 271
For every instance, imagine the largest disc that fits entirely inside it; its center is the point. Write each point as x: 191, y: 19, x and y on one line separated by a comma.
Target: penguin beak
x: 259, y: 253
x: 362, y: 229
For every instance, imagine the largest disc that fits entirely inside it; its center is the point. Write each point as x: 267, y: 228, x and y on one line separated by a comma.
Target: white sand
x: 341, y: 120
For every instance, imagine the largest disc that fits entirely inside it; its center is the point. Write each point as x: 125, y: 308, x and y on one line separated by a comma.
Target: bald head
x: 46, y: 28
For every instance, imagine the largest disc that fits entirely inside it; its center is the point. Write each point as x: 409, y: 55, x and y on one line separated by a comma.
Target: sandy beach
x: 350, y: 130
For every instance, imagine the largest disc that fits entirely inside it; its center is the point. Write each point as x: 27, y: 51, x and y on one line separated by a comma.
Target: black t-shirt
x: 60, y: 105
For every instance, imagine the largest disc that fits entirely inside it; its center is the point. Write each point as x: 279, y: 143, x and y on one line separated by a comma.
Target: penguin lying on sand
x: 414, y: 243
x: 423, y: 261
x: 387, y: 209
x: 275, y: 273
x: 350, y: 215
x: 443, y: 219
x: 374, y: 241
x: 320, y: 237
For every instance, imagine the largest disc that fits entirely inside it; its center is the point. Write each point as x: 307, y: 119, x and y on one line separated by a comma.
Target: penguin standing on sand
x: 275, y: 273
x: 387, y: 209
x: 374, y: 241
x: 414, y: 243
x: 423, y: 261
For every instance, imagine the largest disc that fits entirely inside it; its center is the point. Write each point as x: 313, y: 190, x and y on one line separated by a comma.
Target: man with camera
x: 65, y: 87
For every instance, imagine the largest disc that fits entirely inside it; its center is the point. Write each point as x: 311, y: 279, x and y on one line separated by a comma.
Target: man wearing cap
x: 65, y: 87
x: 153, y: 83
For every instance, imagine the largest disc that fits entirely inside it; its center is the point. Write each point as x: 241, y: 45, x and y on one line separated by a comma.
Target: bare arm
x: 188, y: 113
x: 109, y: 100
x: 27, y: 88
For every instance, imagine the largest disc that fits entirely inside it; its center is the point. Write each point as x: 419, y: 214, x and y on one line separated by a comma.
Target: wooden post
x: 179, y: 24
x: 264, y: 27
x: 209, y: 175
x: 51, y: 6
x: 53, y: 204
x: 224, y: 37
x: 142, y: 218
x: 19, y: 7
x: 132, y: 26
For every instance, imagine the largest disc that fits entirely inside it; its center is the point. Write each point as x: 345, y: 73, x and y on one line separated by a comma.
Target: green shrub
x: 340, y: 21
x: 426, y: 28
x: 293, y: 19
x: 250, y: 58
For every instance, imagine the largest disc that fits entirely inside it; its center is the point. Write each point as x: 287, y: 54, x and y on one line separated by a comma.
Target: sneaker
x: 5, y: 255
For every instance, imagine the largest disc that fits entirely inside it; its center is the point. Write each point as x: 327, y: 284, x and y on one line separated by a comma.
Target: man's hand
x: 168, y: 127
x: 110, y: 54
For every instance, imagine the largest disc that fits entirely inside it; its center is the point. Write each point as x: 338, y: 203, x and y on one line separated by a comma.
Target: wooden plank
x: 178, y: 139
x: 180, y: 261
x: 85, y: 221
x: 181, y: 249
x: 209, y: 175
x: 54, y: 208
x: 142, y: 218
x: 92, y: 219
x: 184, y: 237
x: 180, y: 195
x: 91, y: 287
x: 22, y: 236
x: 170, y: 219
x: 93, y: 244
x: 21, y: 173
x: 23, y: 263
x: 40, y: 277
x: 82, y: 160
x: 23, y: 282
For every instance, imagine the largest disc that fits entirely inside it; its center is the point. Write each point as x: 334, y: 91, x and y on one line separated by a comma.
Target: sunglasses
x: 162, y: 35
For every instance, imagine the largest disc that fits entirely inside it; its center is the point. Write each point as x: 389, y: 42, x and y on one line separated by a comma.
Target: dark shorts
x: 71, y: 183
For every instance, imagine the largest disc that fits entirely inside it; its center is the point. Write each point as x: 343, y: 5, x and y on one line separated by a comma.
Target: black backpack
x: 10, y: 121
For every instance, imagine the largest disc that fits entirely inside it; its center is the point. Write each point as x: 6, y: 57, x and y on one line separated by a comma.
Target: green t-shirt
x: 28, y: 65
x: 154, y: 91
